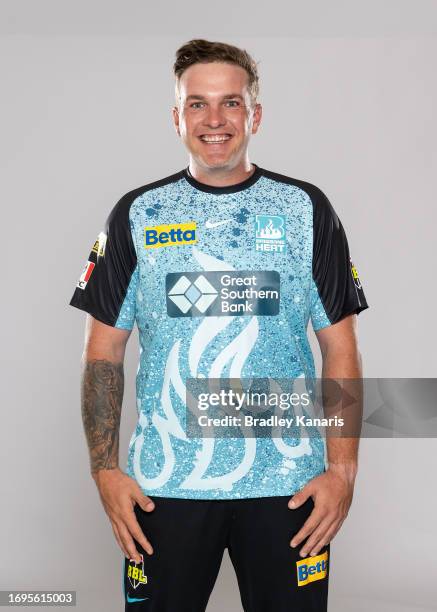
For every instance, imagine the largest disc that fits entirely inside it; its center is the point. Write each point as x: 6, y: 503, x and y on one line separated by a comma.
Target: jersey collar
x: 229, y: 188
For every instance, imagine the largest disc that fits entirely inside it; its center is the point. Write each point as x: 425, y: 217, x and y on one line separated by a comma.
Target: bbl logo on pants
x: 135, y: 573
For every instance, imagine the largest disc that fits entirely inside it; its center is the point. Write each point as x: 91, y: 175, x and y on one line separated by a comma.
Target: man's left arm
x: 332, y: 491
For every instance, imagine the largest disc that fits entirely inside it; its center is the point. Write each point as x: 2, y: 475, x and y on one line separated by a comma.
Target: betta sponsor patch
x: 174, y: 234
x: 312, y: 569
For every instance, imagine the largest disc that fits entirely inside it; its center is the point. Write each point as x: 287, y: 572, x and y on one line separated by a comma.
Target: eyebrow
x: 226, y: 97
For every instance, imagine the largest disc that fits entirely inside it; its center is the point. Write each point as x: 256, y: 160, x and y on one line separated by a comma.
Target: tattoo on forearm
x: 102, y: 396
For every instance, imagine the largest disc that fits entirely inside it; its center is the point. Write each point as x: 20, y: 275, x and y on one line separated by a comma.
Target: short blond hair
x: 199, y: 51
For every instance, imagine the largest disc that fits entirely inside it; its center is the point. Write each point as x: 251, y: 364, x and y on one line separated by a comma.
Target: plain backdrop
x: 349, y: 96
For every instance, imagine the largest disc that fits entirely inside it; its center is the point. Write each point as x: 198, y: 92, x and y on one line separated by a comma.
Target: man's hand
x: 119, y: 493
x: 332, y: 493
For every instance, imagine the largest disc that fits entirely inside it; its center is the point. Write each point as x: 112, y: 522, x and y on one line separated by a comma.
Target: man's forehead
x: 229, y: 96
x: 213, y: 79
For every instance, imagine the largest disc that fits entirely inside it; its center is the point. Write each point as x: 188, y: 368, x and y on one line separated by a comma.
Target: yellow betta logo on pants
x: 173, y: 234
x: 312, y: 568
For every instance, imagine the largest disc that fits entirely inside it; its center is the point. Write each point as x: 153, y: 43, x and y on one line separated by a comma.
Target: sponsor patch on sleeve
x: 355, y: 276
x: 86, y: 273
x: 99, y: 245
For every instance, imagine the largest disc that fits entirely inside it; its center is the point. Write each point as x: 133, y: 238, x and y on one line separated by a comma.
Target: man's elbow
x: 104, y: 342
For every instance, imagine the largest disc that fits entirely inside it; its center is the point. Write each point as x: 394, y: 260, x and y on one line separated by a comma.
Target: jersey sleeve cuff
x: 88, y: 308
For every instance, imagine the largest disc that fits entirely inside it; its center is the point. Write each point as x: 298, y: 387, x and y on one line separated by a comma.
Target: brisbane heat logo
x: 270, y: 233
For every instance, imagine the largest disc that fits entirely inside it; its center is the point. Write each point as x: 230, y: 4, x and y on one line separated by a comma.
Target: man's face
x: 215, y: 116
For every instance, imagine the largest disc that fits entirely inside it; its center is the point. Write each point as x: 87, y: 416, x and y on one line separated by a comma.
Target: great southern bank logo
x: 270, y: 233
x: 174, y: 234
x: 311, y: 569
x: 222, y: 293
x: 199, y: 293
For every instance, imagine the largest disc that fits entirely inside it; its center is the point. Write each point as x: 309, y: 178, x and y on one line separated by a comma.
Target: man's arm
x: 101, y: 399
x: 102, y: 392
x: 332, y: 491
x: 341, y: 359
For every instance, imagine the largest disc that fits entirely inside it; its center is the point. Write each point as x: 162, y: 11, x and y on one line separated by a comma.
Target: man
x: 175, y: 257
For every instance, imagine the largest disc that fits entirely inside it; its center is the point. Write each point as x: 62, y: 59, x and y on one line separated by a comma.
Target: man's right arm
x: 101, y: 400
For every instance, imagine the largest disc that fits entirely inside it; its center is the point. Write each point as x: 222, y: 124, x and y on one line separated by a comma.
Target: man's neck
x: 221, y: 177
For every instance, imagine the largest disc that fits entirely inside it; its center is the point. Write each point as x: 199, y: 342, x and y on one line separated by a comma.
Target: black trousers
x: 189, y: 538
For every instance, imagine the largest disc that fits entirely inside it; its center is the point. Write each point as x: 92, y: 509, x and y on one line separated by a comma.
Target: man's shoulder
x: 132, y: 195
x: 123, y: 205
x: 314, y: 192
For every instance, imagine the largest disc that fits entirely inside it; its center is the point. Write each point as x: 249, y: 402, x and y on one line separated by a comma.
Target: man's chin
x: 215, y: 162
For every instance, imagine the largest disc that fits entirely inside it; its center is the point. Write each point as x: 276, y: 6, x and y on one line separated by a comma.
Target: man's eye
x: 232, y: 103
x: 196, y: 105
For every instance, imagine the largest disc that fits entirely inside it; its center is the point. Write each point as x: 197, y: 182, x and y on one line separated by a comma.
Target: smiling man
x: 221, y: 265
x: 215, y: 117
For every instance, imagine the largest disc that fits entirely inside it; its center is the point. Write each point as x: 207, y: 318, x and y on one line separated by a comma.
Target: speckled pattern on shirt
x: 282, y: 245
x: 161, y: 458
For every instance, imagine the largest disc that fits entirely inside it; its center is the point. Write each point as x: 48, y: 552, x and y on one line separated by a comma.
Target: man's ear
x: 175, y: 112
x: 257, y: 115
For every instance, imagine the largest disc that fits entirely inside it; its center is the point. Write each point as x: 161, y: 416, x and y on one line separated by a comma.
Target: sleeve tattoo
x: 101, y: 400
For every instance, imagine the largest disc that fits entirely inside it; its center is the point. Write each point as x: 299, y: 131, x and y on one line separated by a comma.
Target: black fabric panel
x: 106, y: 289
x: 339, y: 292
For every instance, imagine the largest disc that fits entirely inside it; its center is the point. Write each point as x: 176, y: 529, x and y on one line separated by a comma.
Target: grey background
x: 349, y: 97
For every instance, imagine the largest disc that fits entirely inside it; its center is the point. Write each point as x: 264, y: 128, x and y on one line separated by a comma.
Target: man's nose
x: 214, y: 117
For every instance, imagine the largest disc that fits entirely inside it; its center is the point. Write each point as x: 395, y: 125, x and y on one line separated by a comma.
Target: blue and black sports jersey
x: 221, y: 282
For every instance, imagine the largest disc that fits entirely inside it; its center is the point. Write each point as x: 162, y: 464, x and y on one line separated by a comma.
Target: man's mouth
x: 215, y: 138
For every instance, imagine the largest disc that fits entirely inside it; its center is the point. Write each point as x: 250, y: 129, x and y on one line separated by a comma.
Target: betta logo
x: 174, y: 234
x: 312, y: 568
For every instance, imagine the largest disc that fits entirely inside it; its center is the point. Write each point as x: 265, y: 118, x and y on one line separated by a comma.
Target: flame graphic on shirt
x: 269, y: 231
x: 234, y: 355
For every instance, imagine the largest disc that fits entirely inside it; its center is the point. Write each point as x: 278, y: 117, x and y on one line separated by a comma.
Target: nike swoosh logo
x: 133, y: 599
x: 210, y: 224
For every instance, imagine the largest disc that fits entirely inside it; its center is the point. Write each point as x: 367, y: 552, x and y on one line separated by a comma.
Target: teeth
x: 215, y: 138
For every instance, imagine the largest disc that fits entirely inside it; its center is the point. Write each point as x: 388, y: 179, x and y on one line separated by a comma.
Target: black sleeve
x: 106, y: 288
x: 337, y: 289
